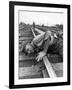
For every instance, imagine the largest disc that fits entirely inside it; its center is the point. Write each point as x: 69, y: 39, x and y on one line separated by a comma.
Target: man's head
x: 28, y: 48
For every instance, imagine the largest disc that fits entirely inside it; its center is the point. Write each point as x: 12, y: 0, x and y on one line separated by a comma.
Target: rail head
x: 49, y: 68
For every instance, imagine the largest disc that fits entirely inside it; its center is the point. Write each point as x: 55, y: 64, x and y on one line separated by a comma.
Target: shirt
x: 43, y: 41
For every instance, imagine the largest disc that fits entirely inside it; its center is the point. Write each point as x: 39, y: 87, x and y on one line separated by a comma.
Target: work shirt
x: 43, y: 41
x: 48, y: 43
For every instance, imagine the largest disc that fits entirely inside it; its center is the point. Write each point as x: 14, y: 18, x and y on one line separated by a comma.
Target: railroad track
x: 27, y: 69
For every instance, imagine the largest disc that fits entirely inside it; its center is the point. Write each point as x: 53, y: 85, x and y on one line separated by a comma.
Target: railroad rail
x: 48, y: 65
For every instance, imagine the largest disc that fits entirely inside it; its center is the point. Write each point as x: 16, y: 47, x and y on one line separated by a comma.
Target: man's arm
x: 38, y: 39
x: 43, y: 53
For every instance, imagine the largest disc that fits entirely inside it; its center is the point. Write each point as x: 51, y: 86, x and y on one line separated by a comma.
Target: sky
x: 46, y: 18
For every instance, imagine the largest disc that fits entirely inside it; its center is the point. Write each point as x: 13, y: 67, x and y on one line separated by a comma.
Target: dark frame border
x: 11, y: 43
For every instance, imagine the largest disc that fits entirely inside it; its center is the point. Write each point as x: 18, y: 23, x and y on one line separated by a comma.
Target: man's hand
x: 40, y: 56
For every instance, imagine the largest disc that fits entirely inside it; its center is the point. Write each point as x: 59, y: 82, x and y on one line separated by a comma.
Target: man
x: 46, y: 43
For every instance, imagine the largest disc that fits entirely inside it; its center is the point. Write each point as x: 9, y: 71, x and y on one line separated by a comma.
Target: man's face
x: 29, y: 48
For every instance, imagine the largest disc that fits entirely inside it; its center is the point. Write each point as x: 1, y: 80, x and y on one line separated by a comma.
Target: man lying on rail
x: 47, y: 43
